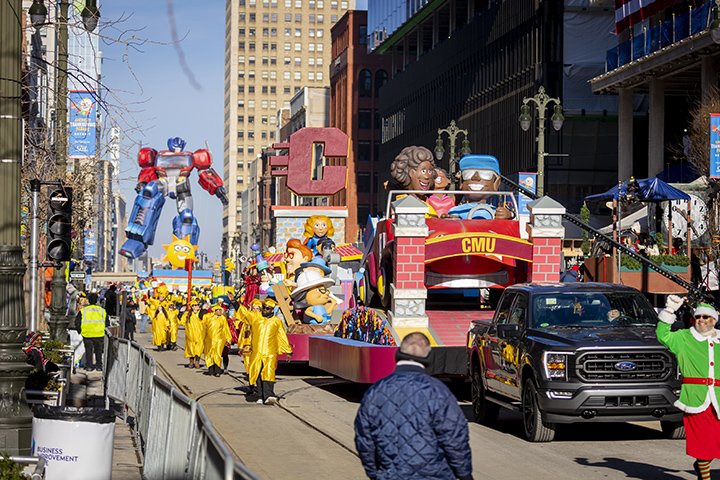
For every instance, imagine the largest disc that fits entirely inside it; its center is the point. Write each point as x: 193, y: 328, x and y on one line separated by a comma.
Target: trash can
x: 76, y: 443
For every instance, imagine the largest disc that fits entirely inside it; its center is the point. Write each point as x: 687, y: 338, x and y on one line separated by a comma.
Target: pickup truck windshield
x: 592, y: 309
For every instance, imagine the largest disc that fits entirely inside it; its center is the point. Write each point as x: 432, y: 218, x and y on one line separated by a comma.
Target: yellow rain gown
x: 160, y: 323
x: 173, y: 321
x: 268, y: 340
x: 217, y: 335
x: 194, y: 334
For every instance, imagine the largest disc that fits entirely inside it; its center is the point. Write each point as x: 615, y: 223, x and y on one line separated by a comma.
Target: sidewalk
x: 311, y: 429
x: 87, y: 390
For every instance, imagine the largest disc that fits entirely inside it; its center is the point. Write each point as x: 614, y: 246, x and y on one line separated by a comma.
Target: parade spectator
x: 111, y: 301
x: 268, y: 340
x: 144, y: 317
x: 92, y: 329
x: 217, y: 336
x: 696, y: 357
x: 194, y: 334
x: 409, y: 424
x: 34, y: 354
x: 130, y: 321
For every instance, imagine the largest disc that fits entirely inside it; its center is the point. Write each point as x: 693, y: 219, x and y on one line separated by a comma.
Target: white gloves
x: 673, y: 303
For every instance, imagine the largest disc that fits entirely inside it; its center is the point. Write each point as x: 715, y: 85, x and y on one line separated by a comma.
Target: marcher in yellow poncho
x: 217, y: 335
x: 194, y: 334
x: 245, y: 336
x: 268, y: 340
x: 173, y: 321
x: 157, y: 309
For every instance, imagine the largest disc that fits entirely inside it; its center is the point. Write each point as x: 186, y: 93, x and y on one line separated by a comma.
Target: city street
x: 310, y: 434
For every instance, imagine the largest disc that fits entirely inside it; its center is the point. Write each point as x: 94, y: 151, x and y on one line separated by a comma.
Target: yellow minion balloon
x: 229, y: 265
x: 178, y: 251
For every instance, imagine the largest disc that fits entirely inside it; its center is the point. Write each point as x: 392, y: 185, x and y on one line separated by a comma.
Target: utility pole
x: 58, y: 305
x: 15, y: 417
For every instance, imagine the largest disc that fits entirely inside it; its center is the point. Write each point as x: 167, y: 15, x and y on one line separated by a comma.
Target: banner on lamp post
x: 82, y: 134
x: 527, y: 180
x: 715, y: 145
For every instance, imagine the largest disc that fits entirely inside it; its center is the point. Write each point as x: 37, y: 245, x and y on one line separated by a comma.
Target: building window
x: 241, y: 88
x: 273, y: 60
x: 272, y: 134
x: 266, y: 17
x: 311, y: 76
x: 241, y: 45
x: 251, y: 134
x: 273, y: 75
x: 320, y: 4
x: 241, y: 119
x: 241, y: 134
x: 298, y: 32
x: 298, y: 76
x: 287, y: 61
x: 264, y: 89
x: 251, y: 149
x: 288, y: 47
x: 363, y: 182
x: 251, y: 60
x: 365, y: 84
x: 319, y: 76
x: 333, y: 18
x: 311, y: 32
x: 319, y: 61
x: 311, y: 47
x: 343, y: 5
x: 251, y: 103
x: 286, y: 76
x: 242, y: 17
x: 288, y: 3
x: 298, y: 47
x: 240, y: 149
x: 319, y: 33
x: 286, y: 90
x: 273, y: 90
x: 264, y: 120
x: 273, y: 120
x: 288, y: 18
x: 263, y: 135
x: 311, y: 61
x: 363, y: 35
x: 298, y: 61
x: 381, y: 78
x: 251, y: 74
x: 252, y: 17
x: 333, y: 4
x: 251, y: 118
x: 320, y: 18
x: 319, y: 47
x: 264, y: 75
x: 264, y: 104
x: 241, y: 103
x: 365, y: 119
x: 241, y: 59
x: 298, y: 18
x: 363, y: 152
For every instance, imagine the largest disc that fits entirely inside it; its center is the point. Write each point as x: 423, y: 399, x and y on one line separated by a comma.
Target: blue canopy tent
x: 651, y: 190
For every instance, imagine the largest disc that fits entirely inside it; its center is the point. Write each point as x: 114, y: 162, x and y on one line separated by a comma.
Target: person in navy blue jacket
x: 409, y: 425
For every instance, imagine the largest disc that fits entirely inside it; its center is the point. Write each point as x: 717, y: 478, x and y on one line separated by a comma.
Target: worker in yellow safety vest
x: 92, y: 329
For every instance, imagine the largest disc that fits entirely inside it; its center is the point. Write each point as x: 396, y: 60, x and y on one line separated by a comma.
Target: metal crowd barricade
x: 176, y: 436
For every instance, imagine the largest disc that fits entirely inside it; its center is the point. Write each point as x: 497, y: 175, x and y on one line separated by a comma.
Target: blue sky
x: 149, y: 89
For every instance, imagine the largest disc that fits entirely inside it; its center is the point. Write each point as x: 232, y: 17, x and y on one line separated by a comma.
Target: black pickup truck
x: 574, y: 352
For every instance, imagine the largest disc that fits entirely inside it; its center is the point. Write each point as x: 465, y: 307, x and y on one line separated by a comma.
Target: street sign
x: 78, y: 275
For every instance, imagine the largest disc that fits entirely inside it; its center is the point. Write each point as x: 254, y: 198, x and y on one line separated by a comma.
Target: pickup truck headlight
x: 555, y: 366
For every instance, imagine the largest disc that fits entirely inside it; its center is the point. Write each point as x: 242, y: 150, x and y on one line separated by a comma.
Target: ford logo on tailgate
x: 625, y: 366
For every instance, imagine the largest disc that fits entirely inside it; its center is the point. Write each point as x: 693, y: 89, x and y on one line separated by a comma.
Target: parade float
x: 445, y: 248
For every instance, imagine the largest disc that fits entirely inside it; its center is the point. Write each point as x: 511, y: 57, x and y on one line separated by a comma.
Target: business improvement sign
x: 529, y: 181
x: 82, y: 134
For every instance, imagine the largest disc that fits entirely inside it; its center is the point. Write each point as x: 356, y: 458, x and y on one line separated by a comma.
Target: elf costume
x: 697, y: 354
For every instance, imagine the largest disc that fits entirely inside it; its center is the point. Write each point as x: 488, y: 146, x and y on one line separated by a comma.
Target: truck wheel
x: 535, y: 429
x: 384, y: 282
x: 673, y: 430
x: 486, y: 412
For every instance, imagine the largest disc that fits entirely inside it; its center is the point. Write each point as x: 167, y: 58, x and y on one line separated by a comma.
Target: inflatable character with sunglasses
x: 481, y: 174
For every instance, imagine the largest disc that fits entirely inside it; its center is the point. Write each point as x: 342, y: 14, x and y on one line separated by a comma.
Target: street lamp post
x: 453, y: 132
x: 58, y: 307
x: 541, y: 101
x: 15, y: 417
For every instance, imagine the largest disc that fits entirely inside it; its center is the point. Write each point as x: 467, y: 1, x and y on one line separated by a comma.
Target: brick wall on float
x: 290, y: 221
x: 546, y: 234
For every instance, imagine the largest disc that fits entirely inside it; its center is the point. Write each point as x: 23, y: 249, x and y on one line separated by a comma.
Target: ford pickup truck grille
x: 623, y: 366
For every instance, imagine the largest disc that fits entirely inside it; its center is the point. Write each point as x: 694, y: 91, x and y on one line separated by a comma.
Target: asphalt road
x: 310, y: 435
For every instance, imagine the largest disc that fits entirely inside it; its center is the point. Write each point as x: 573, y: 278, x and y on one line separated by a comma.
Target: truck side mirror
x: 508, y: 330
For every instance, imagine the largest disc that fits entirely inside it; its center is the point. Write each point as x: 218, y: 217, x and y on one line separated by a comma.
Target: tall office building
x: 273, y: 48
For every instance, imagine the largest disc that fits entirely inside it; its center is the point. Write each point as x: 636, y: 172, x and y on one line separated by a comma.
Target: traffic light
x: 59, y: 236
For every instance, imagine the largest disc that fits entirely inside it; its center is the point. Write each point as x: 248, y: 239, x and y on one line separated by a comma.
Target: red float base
x: 358, y: 362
